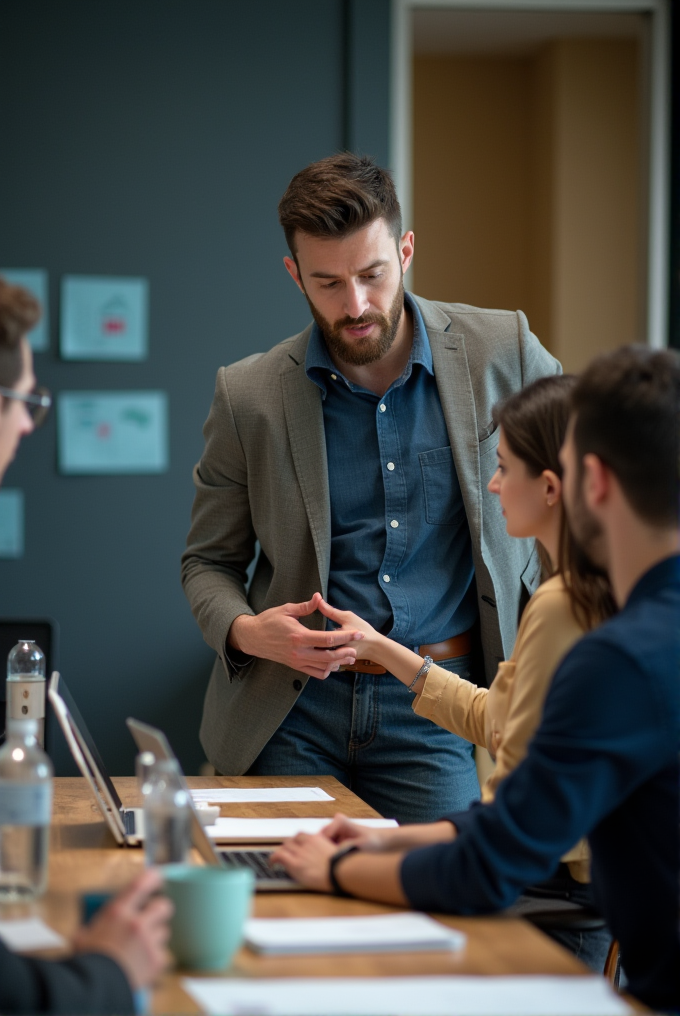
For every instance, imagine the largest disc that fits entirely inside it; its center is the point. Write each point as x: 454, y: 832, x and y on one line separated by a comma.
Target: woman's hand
x: 352, y: 624
x: 306, y: 858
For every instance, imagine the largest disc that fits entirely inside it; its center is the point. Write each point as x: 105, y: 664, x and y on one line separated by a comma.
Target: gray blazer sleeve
x: 535, y: 360
x: 221, y: 541
x: 90, y: 984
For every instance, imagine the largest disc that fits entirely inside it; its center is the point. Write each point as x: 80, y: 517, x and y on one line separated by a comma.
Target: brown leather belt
x: 459, y: 645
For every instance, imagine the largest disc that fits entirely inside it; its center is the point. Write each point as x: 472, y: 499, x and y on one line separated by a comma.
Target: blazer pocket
x: 443, y: 498
x: 488, y: 460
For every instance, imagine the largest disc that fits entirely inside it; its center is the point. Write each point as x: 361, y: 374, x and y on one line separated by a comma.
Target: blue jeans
x: 361, y: 729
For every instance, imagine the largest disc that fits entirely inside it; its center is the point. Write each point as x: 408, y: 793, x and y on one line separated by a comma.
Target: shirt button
x: 390, y: 466
x: 334, y: 376
x: 394, y: 524
x: 386, y: 578
x: 382, y: 407
x: 297, y: 685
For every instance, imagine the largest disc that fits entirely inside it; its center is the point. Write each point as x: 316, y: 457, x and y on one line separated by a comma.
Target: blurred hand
x: 133, y: 929
x: 276, y: 634
x: 307, y: 859
x: 343, y: 830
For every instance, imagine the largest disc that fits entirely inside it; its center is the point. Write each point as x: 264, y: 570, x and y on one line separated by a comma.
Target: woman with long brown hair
x: 572, y: 599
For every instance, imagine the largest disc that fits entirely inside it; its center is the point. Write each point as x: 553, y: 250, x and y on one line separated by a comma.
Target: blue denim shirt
x: 401, y: 555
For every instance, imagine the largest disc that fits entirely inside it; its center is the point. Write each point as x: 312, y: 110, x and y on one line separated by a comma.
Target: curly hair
x: 19, y: 312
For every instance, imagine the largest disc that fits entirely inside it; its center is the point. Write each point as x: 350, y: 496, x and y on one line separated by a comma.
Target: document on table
x: 273, y: 830
x: 259, y: 795
x: 29, y: 934
x: 408, y: 996
x: 373, y: 933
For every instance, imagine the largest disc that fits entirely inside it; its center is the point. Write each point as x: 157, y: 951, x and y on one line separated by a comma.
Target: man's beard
x: 588, y: 533
x: 365, y: 350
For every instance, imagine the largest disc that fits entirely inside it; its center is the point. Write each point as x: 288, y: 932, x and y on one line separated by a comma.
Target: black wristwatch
x: 335, y: 859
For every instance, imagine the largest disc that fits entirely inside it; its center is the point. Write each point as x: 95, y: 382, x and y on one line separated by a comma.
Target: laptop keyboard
x: 258, y: 862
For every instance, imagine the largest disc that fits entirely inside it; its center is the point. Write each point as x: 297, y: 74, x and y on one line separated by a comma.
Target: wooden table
x: 84, y: 857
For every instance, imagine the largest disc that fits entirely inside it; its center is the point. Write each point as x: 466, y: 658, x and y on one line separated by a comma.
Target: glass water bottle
x: 26, y: 685
x: 25, y: 811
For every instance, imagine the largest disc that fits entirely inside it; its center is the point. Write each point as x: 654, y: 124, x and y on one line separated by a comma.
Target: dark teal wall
x: 154, y: 138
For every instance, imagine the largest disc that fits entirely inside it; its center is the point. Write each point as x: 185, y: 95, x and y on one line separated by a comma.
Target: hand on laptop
x: 306, y: 858
x: 133, y: 929
x: 343, y: 830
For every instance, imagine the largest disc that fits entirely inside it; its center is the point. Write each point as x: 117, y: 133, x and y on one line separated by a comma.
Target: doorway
x: 533, y: 178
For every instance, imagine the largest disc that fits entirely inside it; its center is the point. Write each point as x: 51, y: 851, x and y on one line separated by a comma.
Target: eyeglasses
x: 37, y: 402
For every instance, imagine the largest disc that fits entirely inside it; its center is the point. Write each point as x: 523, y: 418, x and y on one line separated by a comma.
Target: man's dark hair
x: 19, y: 312
x: 627, y: 412
x: 337, y: 196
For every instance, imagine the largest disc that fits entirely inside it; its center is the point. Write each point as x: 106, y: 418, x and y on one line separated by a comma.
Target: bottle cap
x: 25, y: 728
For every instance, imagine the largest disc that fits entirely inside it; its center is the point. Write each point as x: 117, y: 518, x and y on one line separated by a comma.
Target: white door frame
x: 658, y: 211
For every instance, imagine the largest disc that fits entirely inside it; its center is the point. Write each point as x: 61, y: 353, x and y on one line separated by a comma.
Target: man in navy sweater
x: 604, y: 761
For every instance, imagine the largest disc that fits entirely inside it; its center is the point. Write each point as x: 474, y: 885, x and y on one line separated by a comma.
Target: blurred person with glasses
x: 123, y: 948
x: 23, y: 407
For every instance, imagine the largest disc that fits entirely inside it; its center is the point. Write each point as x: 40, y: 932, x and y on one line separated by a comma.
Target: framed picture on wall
x: 112, y: 432
x: 104, y: 318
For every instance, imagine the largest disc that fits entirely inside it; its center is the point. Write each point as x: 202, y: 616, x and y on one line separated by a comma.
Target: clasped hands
x: 277, y: 634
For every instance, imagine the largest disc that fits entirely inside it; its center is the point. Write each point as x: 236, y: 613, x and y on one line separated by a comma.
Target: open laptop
x: 126, y: 824
x: 267, y: 879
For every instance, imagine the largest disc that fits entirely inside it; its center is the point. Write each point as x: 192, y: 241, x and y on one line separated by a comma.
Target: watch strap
x: 334, y: 861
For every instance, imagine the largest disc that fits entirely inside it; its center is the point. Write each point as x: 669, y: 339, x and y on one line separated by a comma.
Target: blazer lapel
x: 304, y: 420
x: 452, y: 373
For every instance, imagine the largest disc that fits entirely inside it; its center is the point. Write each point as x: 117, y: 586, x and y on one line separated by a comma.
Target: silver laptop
x: 126, y: 824
x: 267, y: 878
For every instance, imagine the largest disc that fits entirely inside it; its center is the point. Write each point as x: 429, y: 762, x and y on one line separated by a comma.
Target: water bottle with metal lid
x: 167, y: 815
x: 25, y: 811
x: 26, y: 685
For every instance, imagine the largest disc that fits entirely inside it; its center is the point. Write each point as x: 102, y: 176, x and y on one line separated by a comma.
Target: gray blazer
x: 263, y: 476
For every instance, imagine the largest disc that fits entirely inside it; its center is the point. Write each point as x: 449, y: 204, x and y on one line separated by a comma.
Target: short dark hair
x: 19, y: 312
x: 337, y: 196
x: 534, y: 422
x: 626, y: 408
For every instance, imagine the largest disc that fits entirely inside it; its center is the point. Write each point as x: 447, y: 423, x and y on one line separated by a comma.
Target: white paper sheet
x: 407, y: 996
x: 254, y: 830
x: 29, y: 934
x: 245, y: 795
x: 374, y: 933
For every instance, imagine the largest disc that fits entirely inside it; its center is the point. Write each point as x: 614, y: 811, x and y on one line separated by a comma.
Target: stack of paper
x: 273, y: 830
x: 259, y: 795
x: 375, y: 933
x: 408, y: 996
x: 29, y: 934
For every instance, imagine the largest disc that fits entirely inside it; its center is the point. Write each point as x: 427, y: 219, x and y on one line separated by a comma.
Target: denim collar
x: 318, y: 363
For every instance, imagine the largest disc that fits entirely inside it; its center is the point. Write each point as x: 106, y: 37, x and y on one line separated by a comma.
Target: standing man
x: 357, y: 453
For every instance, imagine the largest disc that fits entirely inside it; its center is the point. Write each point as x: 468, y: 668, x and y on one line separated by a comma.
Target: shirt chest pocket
x: 443, y: 499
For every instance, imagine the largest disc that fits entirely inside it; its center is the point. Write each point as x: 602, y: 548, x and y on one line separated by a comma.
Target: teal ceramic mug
x: 211, y: 908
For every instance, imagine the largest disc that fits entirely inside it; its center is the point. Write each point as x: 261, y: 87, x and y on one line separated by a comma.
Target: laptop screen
x: 83, y: 735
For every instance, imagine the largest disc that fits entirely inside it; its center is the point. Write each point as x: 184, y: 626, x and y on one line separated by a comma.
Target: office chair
x: 549, y: 913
